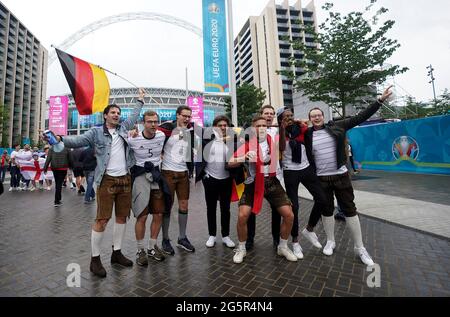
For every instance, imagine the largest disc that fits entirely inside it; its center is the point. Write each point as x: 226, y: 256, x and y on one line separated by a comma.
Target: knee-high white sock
x: 96, y: 242
x: 118, y: 235
x: 328, y: 226
x: 140, y: 244
x: 151, y: 243
x: 354, y: 226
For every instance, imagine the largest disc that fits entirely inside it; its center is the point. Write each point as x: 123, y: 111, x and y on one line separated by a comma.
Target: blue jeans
x: 90, y: 193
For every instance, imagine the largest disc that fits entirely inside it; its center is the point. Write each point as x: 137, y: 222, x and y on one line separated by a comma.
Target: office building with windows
x: 23, y: 81
x: 262, y: 48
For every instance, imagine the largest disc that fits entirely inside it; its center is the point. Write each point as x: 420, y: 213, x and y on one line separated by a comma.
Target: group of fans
x: 30, y: 170
x: 141, y: 171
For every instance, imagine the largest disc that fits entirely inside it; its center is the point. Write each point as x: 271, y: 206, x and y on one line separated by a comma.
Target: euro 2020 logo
x: 405, y: 147
x: 213, y: 8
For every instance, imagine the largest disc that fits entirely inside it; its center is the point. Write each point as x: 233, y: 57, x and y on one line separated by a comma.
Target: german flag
x: 88, y: 83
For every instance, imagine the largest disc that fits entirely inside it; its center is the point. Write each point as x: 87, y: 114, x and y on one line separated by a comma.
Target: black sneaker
x: 185, y: 244
x: 82, y: 189
x: 58, y: 204
x: 156, y: 254
x: 167, y: 247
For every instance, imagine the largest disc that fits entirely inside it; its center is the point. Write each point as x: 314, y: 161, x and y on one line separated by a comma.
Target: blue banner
x: 215, y: 46
x: 420, y: 146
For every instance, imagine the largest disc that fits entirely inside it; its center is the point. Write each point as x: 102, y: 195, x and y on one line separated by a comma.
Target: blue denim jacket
x: 100, y: 139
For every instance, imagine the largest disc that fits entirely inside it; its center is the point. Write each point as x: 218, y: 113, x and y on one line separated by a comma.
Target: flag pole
x: 123, y: 78
x: 231, y: 66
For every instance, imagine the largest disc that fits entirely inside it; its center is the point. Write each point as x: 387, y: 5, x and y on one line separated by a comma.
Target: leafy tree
x: 249, y: 100
x: 4, y: 117
x: 442, y: 104
x: 350, y: 56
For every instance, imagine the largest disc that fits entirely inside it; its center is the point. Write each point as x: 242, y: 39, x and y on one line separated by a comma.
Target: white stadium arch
x: 131, y: 16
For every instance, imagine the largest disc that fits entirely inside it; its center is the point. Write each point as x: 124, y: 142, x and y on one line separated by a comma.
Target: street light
x: 430, y: 74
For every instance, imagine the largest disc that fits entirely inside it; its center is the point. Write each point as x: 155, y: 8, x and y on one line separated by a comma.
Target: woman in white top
x: 217, y: 180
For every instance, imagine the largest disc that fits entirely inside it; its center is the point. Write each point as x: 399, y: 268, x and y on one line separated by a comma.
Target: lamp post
x: 430, y: 74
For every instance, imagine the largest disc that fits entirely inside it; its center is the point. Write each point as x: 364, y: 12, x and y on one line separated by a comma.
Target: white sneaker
x: 312, y: 237
x: 239, y: 255
x: 328, y: 250
x: 228, y: 242
x: 211, y: 242
x: 287, y: 253
x: 297, y: 249
x: 49, y: 188
x: 364, y: 256
x: 11, y: 189
x: 32, y: 189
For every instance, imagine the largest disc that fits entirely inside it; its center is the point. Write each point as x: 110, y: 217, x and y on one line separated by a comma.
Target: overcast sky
x: 155, y: 54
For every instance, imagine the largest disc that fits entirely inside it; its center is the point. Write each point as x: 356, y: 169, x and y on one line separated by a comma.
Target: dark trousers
x: 309, y: 179
x: 352, y: 163
x: 251, y: 225
x: 59, y: 179
x: 3, y: 173
x: 15, y: 176
x: 341, y: 187
x: 218, y: 189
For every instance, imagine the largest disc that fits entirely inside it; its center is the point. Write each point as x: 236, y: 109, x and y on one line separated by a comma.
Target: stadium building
x: 164, y: 101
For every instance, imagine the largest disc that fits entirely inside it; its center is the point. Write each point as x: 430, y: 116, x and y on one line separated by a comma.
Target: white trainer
x: 239, y: 255
x: 287, y: 253
x: 297, y: 249
x: 11, y: 189
x: 211, y: 242
x: 312, y: 237
x: 328, y: 250
x: 364, y: 256
x: 228, y: 242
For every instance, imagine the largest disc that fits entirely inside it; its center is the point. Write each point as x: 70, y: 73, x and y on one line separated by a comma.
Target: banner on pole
x: 57, y: 114
x: 196, y: 105
x: 215, y: 46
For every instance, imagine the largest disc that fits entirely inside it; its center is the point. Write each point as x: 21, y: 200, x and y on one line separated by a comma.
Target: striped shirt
x: 147, y: 150
x: 324, y: 150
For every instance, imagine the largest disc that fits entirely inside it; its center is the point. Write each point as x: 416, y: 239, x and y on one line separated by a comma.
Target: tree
x: 442, y: 104
x: 4, y: 116
x: 350, y: 57
x: 249, y: 100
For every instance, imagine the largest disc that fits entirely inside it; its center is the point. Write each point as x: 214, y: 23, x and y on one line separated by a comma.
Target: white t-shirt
x: 287, y: 159
x: 117, y: 165
x: 147, y: 150
x: 216, y: 159
x: 324, y: 149
x: 175, y: 153
x: 13, y: 156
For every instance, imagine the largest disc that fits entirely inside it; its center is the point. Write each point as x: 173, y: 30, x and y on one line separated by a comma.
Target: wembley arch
x: 123, y: 17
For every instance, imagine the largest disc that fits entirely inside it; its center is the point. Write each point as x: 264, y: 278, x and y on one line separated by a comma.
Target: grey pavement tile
x: 34, y: 255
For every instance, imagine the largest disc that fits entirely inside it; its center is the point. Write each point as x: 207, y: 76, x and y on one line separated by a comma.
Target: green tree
x: 249, y: 100
x: 350, y: 56
x: 4, y: 117
x: 442, y: 104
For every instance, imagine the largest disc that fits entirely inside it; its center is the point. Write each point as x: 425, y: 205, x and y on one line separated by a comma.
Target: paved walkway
x: 39, y: 242
x: 416, y: 201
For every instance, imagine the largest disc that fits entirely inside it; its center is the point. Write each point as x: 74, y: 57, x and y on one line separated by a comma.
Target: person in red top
x: 260, y: 157
x: 4, y: 165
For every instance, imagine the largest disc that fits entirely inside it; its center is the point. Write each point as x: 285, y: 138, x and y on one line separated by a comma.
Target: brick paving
x: 39, y: 241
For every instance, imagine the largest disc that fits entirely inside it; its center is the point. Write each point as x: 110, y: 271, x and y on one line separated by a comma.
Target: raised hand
x: 386, y: 94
